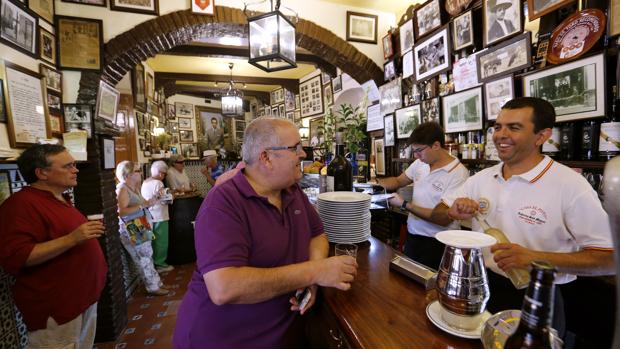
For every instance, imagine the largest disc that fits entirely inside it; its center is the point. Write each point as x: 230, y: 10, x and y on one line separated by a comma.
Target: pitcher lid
x: 465, y: 239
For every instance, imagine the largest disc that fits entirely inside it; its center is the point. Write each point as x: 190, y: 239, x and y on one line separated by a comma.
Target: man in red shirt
x: 53, y: 252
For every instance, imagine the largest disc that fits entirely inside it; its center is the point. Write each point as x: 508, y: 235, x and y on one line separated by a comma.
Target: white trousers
x: 78, y: 333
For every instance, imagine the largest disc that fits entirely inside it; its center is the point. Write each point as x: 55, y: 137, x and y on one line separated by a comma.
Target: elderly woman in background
x: 153, y: 187
x: 176, y: 178
x: 129, y: 202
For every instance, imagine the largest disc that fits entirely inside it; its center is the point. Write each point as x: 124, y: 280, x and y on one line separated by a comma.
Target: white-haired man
x: 153, y: 187
x: 258, y: 241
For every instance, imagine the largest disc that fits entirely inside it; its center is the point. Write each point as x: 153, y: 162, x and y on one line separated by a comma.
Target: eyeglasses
x: 419, y: 150
x: 297, y: 148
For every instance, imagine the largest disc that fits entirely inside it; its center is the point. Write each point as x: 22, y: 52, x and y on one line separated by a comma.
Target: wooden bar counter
x: 383, y: 309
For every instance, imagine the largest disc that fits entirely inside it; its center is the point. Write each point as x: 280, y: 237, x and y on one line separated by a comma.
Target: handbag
x: 139, y: 227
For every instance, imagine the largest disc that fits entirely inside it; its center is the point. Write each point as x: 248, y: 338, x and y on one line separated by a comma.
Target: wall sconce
x: 304, y: 132
x: 271, y: 40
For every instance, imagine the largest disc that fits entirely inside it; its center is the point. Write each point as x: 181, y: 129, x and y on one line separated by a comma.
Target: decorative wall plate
x: 576, y: 35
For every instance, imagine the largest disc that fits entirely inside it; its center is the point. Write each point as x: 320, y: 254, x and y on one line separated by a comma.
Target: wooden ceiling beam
x: 163, y: 78
x: 213, y: 92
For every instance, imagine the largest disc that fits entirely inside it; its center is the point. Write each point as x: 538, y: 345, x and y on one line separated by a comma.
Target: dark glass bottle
x: 537, y: 310
x: 589, y: 140
x: 568, y: 140
x: 609, y: 141
x: 339, y: 172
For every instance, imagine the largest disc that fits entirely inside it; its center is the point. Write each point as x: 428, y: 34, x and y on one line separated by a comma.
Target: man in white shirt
x: 433, y: 173
x: 176, y: 178
x: 548, y: 211
x: 153, y: 187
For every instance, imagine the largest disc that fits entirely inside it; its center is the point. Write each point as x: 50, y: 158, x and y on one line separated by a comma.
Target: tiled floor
x: 151, y: 319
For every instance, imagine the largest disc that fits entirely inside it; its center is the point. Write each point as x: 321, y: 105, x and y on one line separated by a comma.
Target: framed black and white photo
x: 408, y: 65
x: 407, y: 119
x: 185, y: 123
x: 184, y: 110
x: 189, y: 150
x: 107, y: 101
x: 311, y: 96
x: 539, y: 8
x: 18, y: 27
x: 336, y: 85
x: 507, y: 57
x: 374, y: 119
x: 78, y: 117
x: 362, y: 27
x: 138, y: 87
x: 462, y: 111
x: 289, y: 100
x: 102, y: 3
x: 275, y: 111
x: 108, y: 153
x: 277, y: 96
x: 388, y: 122
x: 379, y: 148
x: 53, y: 78
x: 406, y: 37
x: 431, y: 110
x: 575, y: 89
x: 427, y: 17
x: 149, y: 7
x: 186, y: 136
x: 316, y: 131
x: 432, y: 56
x: 462, y: 31
x: 54, y: 103
x: 388, y: 48
x: 391, y: 97
x: 389, y: 70
x: 329, y: 97
x: 502, y: 19
x: 282, y: 109
x: 496, y: 94
x: 47, y: 46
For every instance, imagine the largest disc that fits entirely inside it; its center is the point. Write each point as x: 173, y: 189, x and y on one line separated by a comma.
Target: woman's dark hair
x: 36, y: 157
x: 543, y: 112
x: 427, y: 133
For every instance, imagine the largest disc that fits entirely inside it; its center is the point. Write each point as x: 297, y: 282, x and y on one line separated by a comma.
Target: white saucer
x: 433, y: 311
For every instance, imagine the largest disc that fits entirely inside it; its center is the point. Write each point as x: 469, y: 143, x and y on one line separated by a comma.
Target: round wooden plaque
x: 576, y: 35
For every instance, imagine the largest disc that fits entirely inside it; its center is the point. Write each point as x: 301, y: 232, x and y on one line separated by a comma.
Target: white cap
x: 209, y: 153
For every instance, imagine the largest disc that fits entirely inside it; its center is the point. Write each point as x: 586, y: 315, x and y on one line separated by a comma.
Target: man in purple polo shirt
x: 258, y: 241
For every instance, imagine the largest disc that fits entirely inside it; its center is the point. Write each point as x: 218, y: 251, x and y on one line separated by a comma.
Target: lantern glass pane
x: 264, y: 36
x: 287, y: 39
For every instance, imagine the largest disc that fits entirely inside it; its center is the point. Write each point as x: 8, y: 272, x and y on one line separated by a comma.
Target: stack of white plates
x: 345, y: 216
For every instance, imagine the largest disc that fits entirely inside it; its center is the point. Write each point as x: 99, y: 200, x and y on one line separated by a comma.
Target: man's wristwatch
x: 403, y: 206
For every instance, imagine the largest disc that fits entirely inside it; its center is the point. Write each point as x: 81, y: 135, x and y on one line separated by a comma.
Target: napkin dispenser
x: 414, y: 270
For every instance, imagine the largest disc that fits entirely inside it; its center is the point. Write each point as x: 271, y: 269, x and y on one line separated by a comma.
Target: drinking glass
x: 346, y: 250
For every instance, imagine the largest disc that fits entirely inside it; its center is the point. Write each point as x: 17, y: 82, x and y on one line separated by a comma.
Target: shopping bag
x: 139, y: 227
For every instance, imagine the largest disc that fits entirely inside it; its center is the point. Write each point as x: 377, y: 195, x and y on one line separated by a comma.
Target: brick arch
x: 162, y: 33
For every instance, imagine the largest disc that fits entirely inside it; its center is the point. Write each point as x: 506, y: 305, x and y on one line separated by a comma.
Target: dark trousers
x: 505, y: 296
x: 424, y: 249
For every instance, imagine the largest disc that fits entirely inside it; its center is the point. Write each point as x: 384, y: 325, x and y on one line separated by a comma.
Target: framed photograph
x: 539, y: 8
x: 431, y: 110
x: 54, y: 103
x: 325, y: 78
x: 56, y: 125
x: 277, y: 96
x: 149, y: 7
x: 329, y: 97
x: 80, y: 47
x: 298, y: 101
x: 575, y: 89
x: 107, y: 147
x: 463, y: 31
x: 150, y: 86
x: 427, y: 17
x: 103, y: 3
x: 203, y: 7
x: 185, y: 123
x: 362, y: 27
x: 337, y: 84
x: 406, y: 37
x: 496, y: 94
x: 613, y: 22
x: 502, y: 19
x: 462, y: 111
x: 465, y: 72
x: 311, y: 96
x: 189, y: 150
x: 137, y: 87
x: 297, y: 116
x: 107, y: 101
x: 171, y: 112
x: 275, y: 111
x: 289, y: 100
x: 389, y: 71
x: 507, y: 57
x: 408, y: 64
x: 374, y: 119
x: 25, y: 91
x: 391, y: 97
x: 184, y: 110
x: 282, y: 110
x: 455, y: 7
x: 78, y: 117
x: 432, y: 56
x: 18, y: 27
x: 2, y: 103
x: 43, y: 8
x: 315, y: 133
x: 388, y: 48
x: 290, y: 115
x: 53, y: 78
x: 388, y: 122
x: 47, y: 46
x: 186, y: 136
x: 379, y: 148
x: 407, y: 119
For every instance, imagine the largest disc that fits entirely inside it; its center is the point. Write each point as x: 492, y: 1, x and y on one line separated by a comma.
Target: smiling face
x: 514, y: 136
x: 286, y: 163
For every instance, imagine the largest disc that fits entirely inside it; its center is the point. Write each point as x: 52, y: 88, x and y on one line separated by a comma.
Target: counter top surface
x: 384, y: 309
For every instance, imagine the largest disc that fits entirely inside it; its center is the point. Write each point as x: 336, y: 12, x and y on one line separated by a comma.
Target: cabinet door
x: 322, y: 329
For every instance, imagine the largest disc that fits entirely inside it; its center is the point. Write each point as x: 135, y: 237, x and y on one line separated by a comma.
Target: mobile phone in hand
x: 303, y: 297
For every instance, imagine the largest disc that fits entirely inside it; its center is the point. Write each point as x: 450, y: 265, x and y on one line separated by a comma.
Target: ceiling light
x: 232, y: 99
